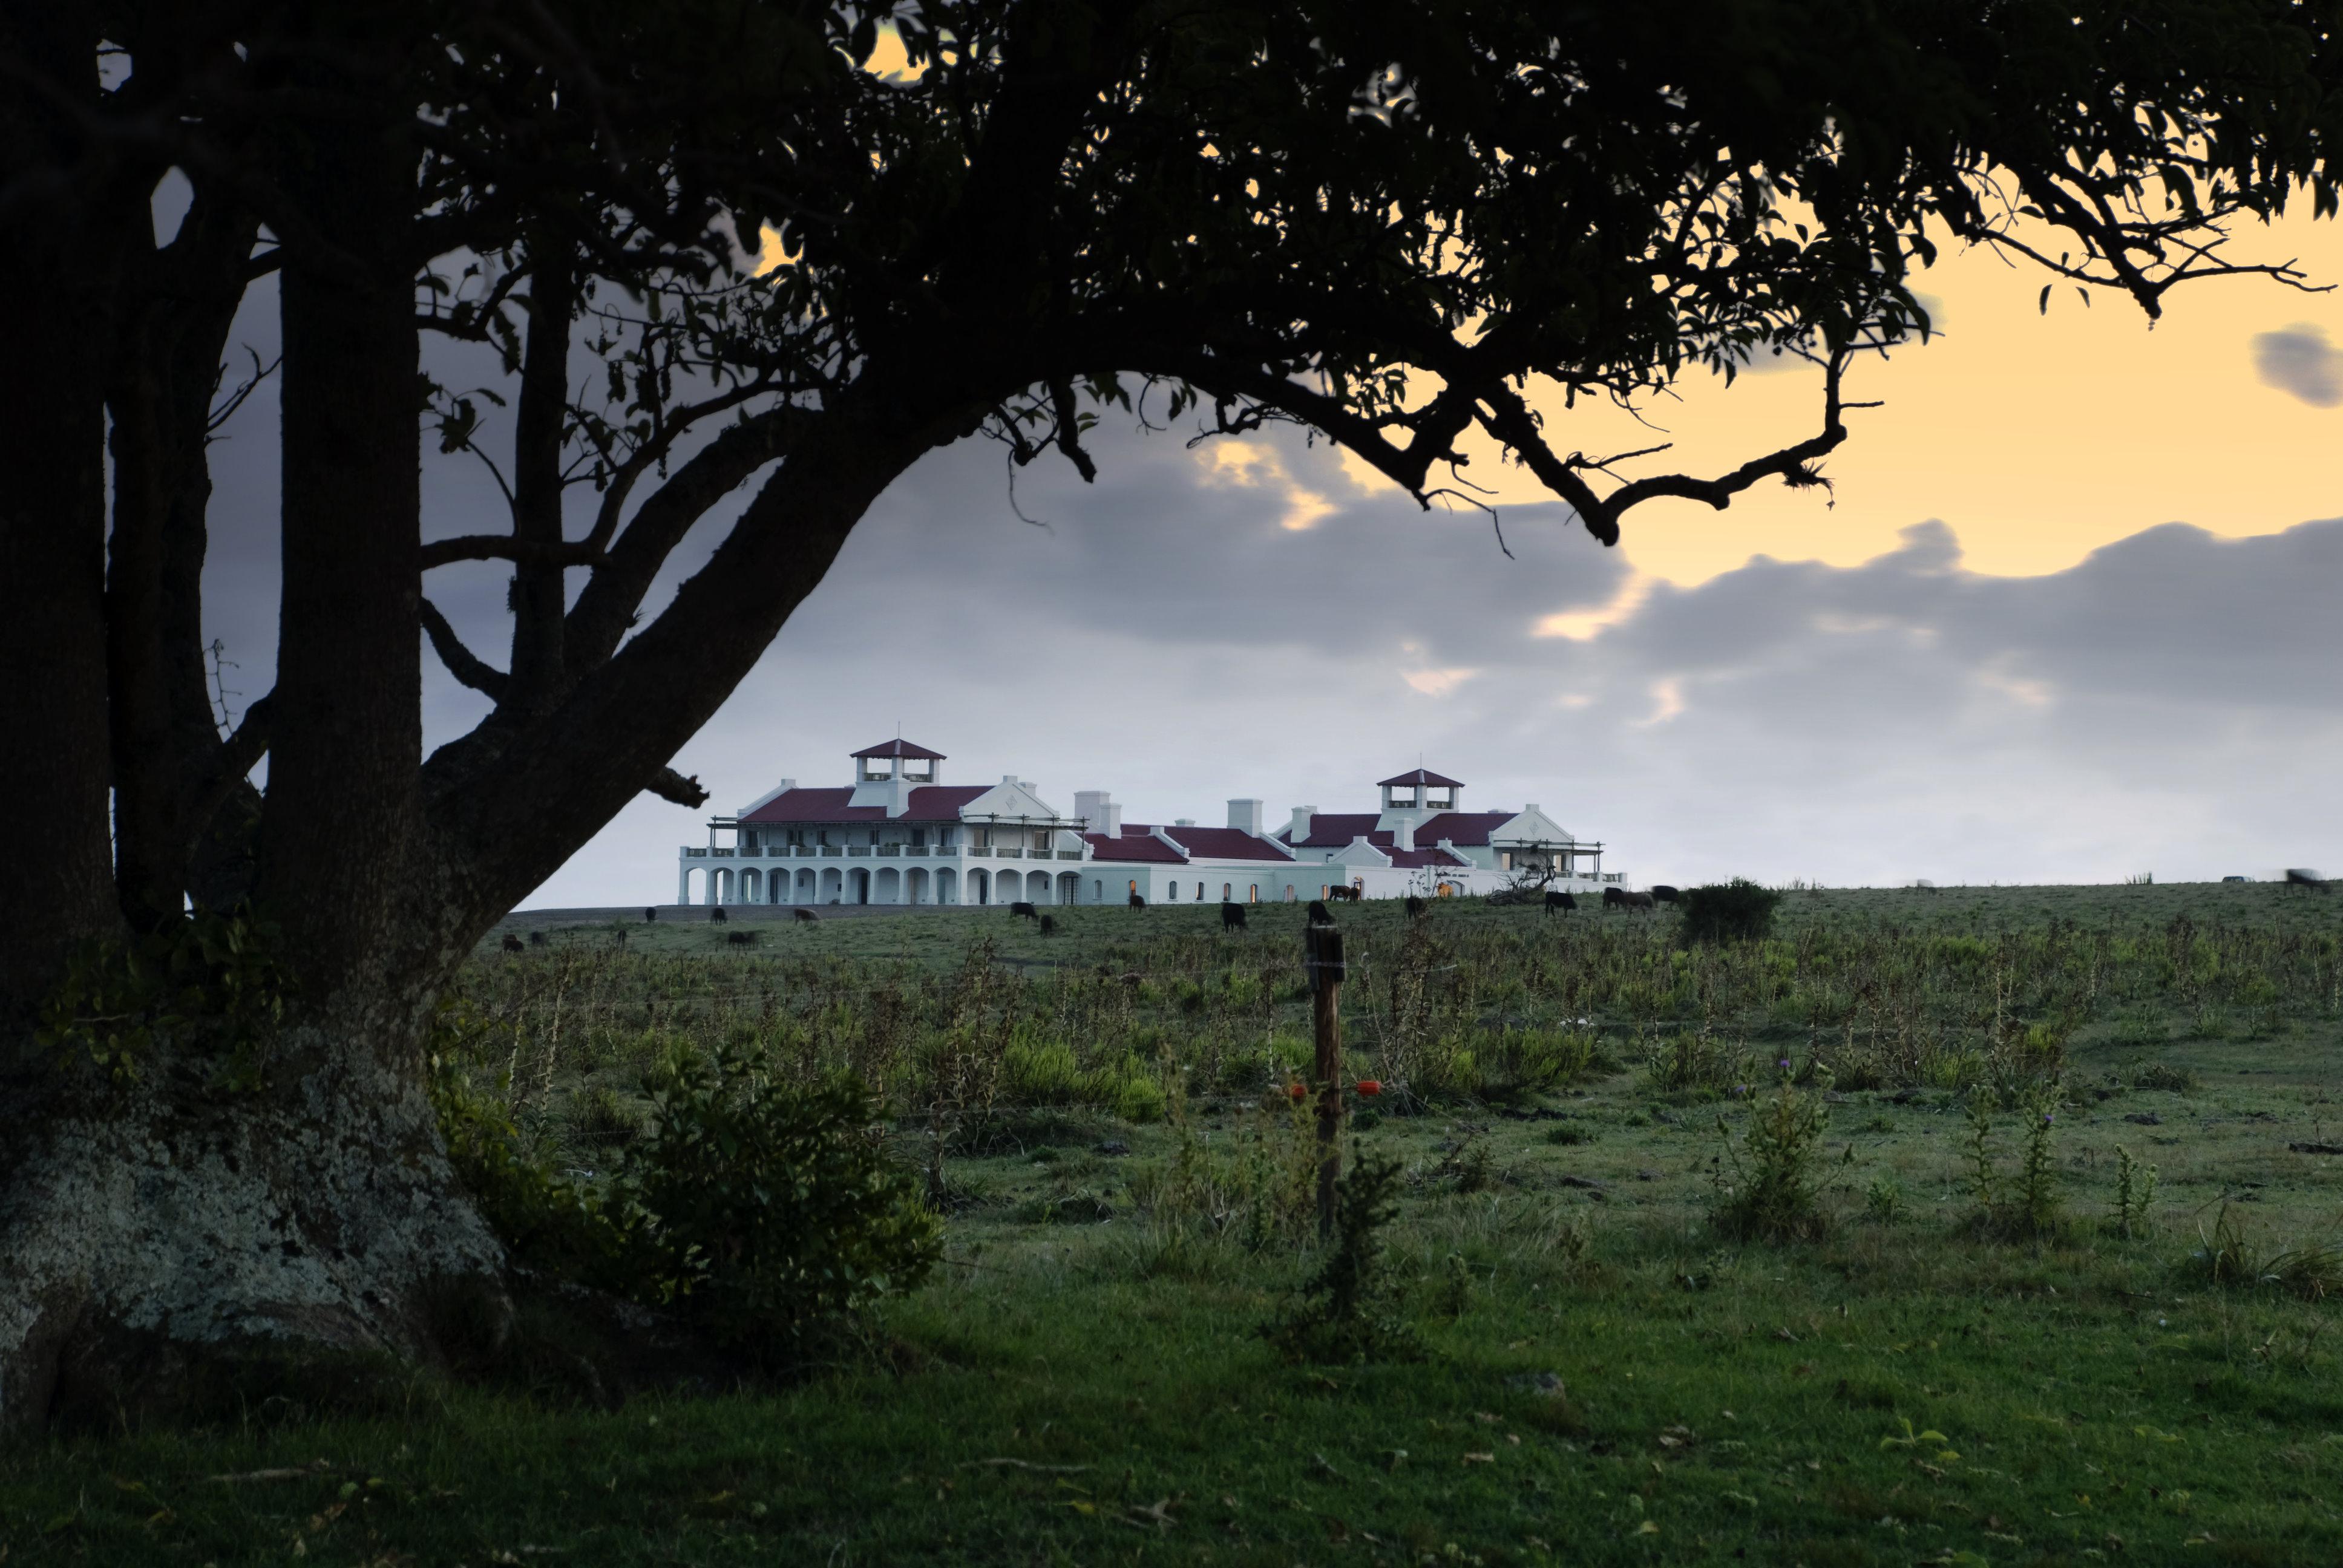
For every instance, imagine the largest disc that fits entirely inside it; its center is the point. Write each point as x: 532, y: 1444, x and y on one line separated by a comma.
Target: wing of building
x: 897, y: 834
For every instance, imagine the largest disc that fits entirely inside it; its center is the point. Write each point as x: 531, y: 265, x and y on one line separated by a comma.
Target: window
x: 1172, y: 892
x: 1254, y: 894
x: 1227, y: 891
x: 919, y: 837
x: 821, y: 836
x: 1040, y: 838
x: 1200, y: 892
x: 1505, y: 859
x: 983, y: 838
x: 1291, y: 892
x: 1097, y: 892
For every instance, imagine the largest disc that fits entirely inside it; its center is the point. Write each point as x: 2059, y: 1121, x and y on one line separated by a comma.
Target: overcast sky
x: 2071, y: 615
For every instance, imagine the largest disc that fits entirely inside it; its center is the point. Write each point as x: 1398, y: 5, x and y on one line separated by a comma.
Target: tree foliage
x: 1419, y: 233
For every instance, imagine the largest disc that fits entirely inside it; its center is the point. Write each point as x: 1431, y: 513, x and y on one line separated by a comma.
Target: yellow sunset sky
x: 2037, y: 437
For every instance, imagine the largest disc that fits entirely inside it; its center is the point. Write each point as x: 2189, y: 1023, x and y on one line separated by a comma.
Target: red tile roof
x: 1416, y: 859
x: 901, y: 749
x: 1142, y: 847
x: 1420, y: 776
x: 1226, y: 844
x: 1336, y: 829
x: 1472, y: 828
x: 941, y: 802
x: 931, y: 803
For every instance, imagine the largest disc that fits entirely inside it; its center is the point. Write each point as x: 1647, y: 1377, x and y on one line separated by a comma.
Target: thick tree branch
x: 670, y: 785
x: 504, y: 547
x: 465, y: 666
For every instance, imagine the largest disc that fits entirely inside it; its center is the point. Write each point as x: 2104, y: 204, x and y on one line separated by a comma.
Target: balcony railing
x: 1009, y: 852
x: 1070, y: 854
x: 692, y: 853
x: 858, y: 851
x: 889, y: 851
x: 721, y: 854
x: 830, y: 851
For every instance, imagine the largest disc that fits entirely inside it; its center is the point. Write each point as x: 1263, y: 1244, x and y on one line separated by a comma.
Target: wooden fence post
x: 1321, y: 951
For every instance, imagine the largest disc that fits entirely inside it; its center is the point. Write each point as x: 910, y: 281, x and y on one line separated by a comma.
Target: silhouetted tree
x: 1399, y: 226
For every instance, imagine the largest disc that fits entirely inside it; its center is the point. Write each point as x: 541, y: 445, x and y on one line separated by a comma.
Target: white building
x: 899, y: 835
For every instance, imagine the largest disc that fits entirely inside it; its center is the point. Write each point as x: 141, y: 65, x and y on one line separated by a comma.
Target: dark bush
x: 1734, y: 911
x: 760, y: 1210
x: 770, y: 1209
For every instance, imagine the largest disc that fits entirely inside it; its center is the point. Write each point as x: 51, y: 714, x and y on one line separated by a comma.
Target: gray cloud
x: 2172, y: 702
x: 2299, y: 361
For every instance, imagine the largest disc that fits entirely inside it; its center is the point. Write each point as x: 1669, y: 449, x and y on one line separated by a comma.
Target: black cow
x: 2303, y: 879
x: 1318, y: 916
x: 1231, y: 916
x: 1137, y: 902
x: 1415, y: 907
x: 513, y: 943
x: 1346, y: 893
x: 717, y: 914
x: 649, y: 914
x: 1020, y: 909
x: 741, y: 938
x: 1049, y: 926
x: 536, y: 939
x: 1664, y: 894
x: 805, y: 914
x: 1621, y: 899
x: 1555, y: 901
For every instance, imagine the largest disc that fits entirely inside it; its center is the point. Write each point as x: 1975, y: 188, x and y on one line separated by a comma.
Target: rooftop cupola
x: 1421, y: 790
x: 886, y: 775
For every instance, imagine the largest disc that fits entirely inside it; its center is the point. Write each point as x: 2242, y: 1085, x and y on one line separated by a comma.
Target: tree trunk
x: 56, y: 881
x: 178, y: 1248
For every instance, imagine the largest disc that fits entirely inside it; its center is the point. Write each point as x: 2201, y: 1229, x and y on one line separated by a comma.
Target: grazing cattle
x: 1318, y: 916
x: 536, y: 939
x: 741, y: 938
x: 717, y: 914
x: 1137, y: 902
x: 805, y: 914
x: 1347, y: 895
x: 1621, y: 899
x: 1020, y: 909
x: 2302, y: 879
x: 1231, y: 916
x: 1049, y: 926
x: 513, y: 943
x: 1415, y: 907
x: 1664, y: 894
x: 651, y: 913
x: 1555, y: 901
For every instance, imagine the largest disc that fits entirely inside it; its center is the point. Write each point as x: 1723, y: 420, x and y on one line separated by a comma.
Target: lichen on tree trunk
x: 171, y: 1244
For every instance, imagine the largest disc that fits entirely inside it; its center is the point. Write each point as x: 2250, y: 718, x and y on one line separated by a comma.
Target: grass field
x: 1606, y: 1376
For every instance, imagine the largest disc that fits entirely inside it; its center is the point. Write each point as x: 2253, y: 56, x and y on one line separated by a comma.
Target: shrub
x: 2179, y: 1079
x: 768, y: 1208
x: 1770, y: 1187
x: 1734, y: 911
x: 1345, y: 1314
x: 761, y: 1210
x: 1882, y: 1200
x: 2313, y: 1272
x: 1696, y: 1063
x: 2135, y: 1192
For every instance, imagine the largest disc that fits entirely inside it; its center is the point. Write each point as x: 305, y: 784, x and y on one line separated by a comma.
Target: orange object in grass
x: 1370, y: 1087
x: 1296, y: 1091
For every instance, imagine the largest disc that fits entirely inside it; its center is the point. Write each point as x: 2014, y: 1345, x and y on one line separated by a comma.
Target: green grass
x: 1073, y: 1390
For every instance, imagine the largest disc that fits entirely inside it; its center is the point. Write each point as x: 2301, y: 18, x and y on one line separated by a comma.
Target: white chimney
x: 1244, y: 816
x: 1184, y: 821
x: 1026, y: 785
x: 1099, y: 809
x: 1299, y: 827
x: 1009, y: 779
x: 787, y: 785
x: 1404, y: 833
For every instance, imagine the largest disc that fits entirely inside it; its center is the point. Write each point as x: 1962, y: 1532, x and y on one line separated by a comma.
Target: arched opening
x: 752, y: 886
x: 723, y: 886
x: 1037, y: 887
x: 947, y: 885
x: 890, y: 890
x: 1228, y: 892
x: 915, y: 885
x: 1070, y: 888
x: 833, y: 884
x: 1171, y: 893
x: 1253, y: 894
x: 694, y: 884
x: 979, y: 886
x: 1291, y: 892
x: 861, y: 885
x: 805, y: 893
x: 1097, y: 891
